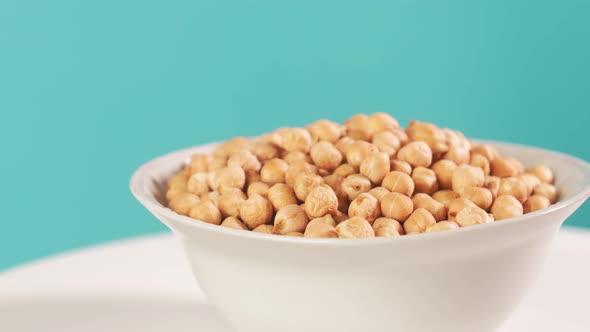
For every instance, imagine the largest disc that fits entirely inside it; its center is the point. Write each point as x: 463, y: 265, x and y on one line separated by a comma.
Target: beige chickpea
x: 506, y: 206
x: 256, y: 211
x: 486, y: 150
x: 252, y: 177
x: 345, y: 170
x: 324, y: 130
x: 480, y: 161
x: 536, y: 202
x: 358, y: 151
x: 230, y: 147
x: 506, y: 167
x: 218, y: 162
x: 274, y: 171
x: 355, y: 227
x: 264, y: 229
x: 366, y: 207
x: 320, y: 201
x: 424, y: 180
x: 295, y: 139
x: 547, y: 190
x: 492, y: 183
x: 290, y: 218
x: 467, y: 176
x: 514, y: 187
x: 325, y: 155
x: 212, y: 196
x: 457, y: 205
x: 418, y: 221
x: 440, y: 226
x: 199, y: 163
x: 458, y: 154
x: 344, y: 144
x: 399, y: 182
x: 437, y: 209
x: 295, y: 234
x: 179, y: 181
x: 230, y: 202
x: 378, y: 193
x: 246, y: 160
x: 375, y: 167
x: 327, y: 219
x: 281, y: 195
x: 472, y: 215
x: 233, y: 222
x: 355, y: 184
x: 206, y: 211
x: 401, y: 134
x: 396, y: 206
x: 172, y: 193
x: 183, y: 203
x: 416, y: 154
x: 400, y: 166
x: 387, y: 227
x: 264, y: 151
x: 456, y: 138
x: 304, y: 183
x: 380, y: 122
x: 387, y: 142
x: 227, y: 177
x: 292, y: 157
x: 357, y: 127
x: 481, y: 197
x: 445, y: 197
x: 259, y: 188
x: 320, y: 230
x: 197, y: 184
x: 444, y: 172
x: 544, y: 173
x: 428, y: 133
x: 339, y: 217
x: 297, y: 168
x: 530, y: 181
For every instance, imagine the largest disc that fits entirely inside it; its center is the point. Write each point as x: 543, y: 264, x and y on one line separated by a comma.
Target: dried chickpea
x: 230, y: 202
x: 387, y: 227
x: 359, y: 151
x: 274, y: 171
x: 492, y: 183
x: 212, y: 196
x: 197, y: 184
x: 355, y: 184
x: 399, y: 182
x: 173, y: 193
x: 459, y: 154
x: 387, y: 142
x: 227, y: 177
x: 357, y: 127
x: 324, y: 130
x: 418, y: 221
x: 445, y: 197
x: 206, y: 211
x: 252, y: 177
x: 530, y: 181
x: 323, y: 173
x: 178, y: 181
x: 218, y: 162
x: 325, y: 155
x: 375, y: 167
x: 327, y: 219
x: 264, y: 151
x: 485, y: 150
x: 343, y: 144
x: 467, y: 176
x: 380, y: 122
x: 345, y: 170
x: 547, y: 190
x: 320, y: 230
x: 400, y: 166
x: 396, y: 206
x: 292, y: 157
x: 536, y: 202
x: 295, y: 139
x: 366, y: 207
x: 444, y: 172
x: 416, y: 154
x: 230, y: 147
x: 401, y: 135
x: 428, y: 133
x: 199, y: 163
x: 506, y: 206
x: 183, y: 203
x: 514, y: 187
x: 320, y: 201
x: 440, y: 226
x: 457, y: 205
x: 281, y: 195
x: 378, y: 193
x: 296, y: 168
x: 506, y: 167
x: 233, y: 222
x: 437, y: 209
x: 256, y: 211
x: 544, y: 173
x: 290, y: 218
x: 304, y: 183
x: 355, y: 227
x: 259, y: 188
x: 264, y: 229
x: 339, y: 217
x: 246, y: 160
x: 472, y: 215
x: 480, y: 161
x: 295, y: 234
x: 481, y: 197
x: 424, y: 180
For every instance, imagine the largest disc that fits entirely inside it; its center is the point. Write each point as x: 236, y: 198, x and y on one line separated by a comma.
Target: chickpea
x: 440, y: 226
x: 344, y: 144
x: 259, y: 188
x: 199, y: 163
x: 456, y: 138
x: 297, y: 168
x: 480, y: 161
x: 227, y: 177
x: 218, y: 162
x: 481, y: 197
x: 206, y: 211
x: 246, y: 160
x: 467, y: 176
x: 295, y: 139
x: 264, y: 229
x: 183, y: 203
x: 345, y: 170
x: 355, y: 184
x: 530, y: 181
x: 172, y: 193
x: 290, y: 218
x: 472, y: 215
x: 366, y: 207
x: 428, y: 133
x: 358, y: 151
x: 274, y: 171
x: 295, y: 234
x: 536, y: 202
x: 357, y: 127
x: 375, y: 167
x: 416, y: 154
x: 544, y: 173
x: 378, y: 193
x: 197, y: 184
x: 492, y: 183
x: 281, y: 195
x: 514, y: 187
x: 295, y: 156
x: 485, y: 150
x: 355, y: 227
x: 339, y: 217
x: 233, y: 222
x: 396, y: 206
x: 327, y: 219
x: 458, y: 154
x: 324, y: 130
x: 424, y: 180
x: 212, y: 196
x: 418, y: 221
x: 401, y: 135
x: 387, y: 227
x: 256, y: 211
x: 456, y: 206
x: 230, y: 147
x: 445, y: 196
x: 323, y: 173
x: 252, y: 177
x: 304, y: 183
x: 380, y: 122
x: 506, y: 167
x: 437, y: 209
x: 387, y: 142
x: 506, y: 206
x: 320, y: 201
x: 325, y: 155
x: 399, y: 182
x: 400, y: 166
x: 179, y: 181
x: 230, y: 202
x: 444, y: 172
x: 320, y: 230
x: 547, y: 190
x: 264, y: 151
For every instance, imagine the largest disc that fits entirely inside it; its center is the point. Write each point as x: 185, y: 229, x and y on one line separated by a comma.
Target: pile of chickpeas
x: 367, y: 177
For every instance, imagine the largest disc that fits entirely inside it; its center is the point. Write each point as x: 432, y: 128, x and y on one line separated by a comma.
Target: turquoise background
x: 89, y: 90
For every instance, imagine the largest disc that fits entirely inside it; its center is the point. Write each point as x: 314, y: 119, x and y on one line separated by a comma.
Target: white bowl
x: 469, y: 279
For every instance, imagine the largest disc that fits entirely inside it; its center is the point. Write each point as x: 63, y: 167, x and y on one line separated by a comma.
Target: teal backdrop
x: 89, y: 90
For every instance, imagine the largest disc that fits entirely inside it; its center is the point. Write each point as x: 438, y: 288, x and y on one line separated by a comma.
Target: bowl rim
x: 145, y: 198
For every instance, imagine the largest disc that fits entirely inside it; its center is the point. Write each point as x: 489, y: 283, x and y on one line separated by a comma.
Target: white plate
x: 145, y: 285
